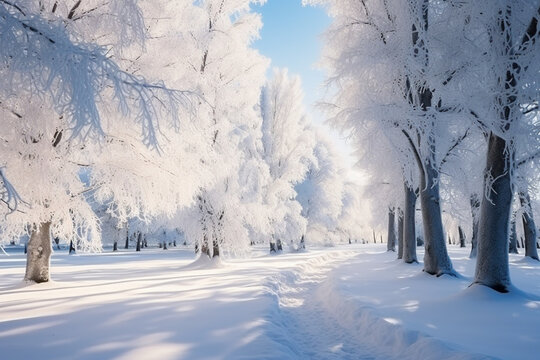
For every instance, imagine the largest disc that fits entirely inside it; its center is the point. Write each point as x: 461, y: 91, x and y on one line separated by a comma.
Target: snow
x: 347, y: 302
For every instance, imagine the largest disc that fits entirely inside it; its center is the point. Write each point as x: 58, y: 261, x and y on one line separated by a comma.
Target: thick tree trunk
x: 39, y: 254
x: 409, y: 227
x: 461, y: 237
x: 400, y: 234
x: 492, y: 262
x: 436, y: 259
x: 513, y: 237
x: 391, y: 241
x: 279, y: 245
x: 115, y: 245
x: 273, y: 247
x: 529, y: 228
x: 475, y: 211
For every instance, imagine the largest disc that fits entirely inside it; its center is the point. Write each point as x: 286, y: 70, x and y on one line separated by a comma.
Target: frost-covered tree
x: 230, y: 73
x: 507, y: 46
x: 401, y: 89
x: 321, y: 192
x: 60, y: 82
x: 287, y: 151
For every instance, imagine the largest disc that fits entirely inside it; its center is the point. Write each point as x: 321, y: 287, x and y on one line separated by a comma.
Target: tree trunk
x: 391, y: 241
x: 513, y: 237
x: 279, y: 245
x: 205, y: 249
x: 492, y: 262
x: 475, y: 211
x: 71, y: 247
x: 436, y: 259
x: 409, y: 227
x: 400, y: 234
x: 127, y: 239
x: 461, y: 237
x: 38, y: 257
x: 139, y: 241
x: 529, y: 228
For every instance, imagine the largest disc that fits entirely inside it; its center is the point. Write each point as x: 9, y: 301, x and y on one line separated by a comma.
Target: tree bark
x: 127, y: 239
x: 400, y: 234
x: 139, y: 240
x: 38, y: 257
x: 436, y: 259
x: 279, y: 245
x: 512, y: 249
x: 71, y: 247
x: 461, y: 237
x: 492, y: 262
x: 391, y: 241
x: 529, y: 227
x: 475, y: 210
x: 409, y: 227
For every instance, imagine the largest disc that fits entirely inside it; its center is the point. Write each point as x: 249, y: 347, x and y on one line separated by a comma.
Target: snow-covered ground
x: 348, y: 302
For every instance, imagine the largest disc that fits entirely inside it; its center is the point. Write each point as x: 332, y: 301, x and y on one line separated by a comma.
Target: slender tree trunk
x: 512, y: 249
x: 492, y: 262
x: 391, y: 241
x: 409, y: 227
x: 71, y: 247
x: 273, y: 247
x: 38, y: 257
x: 127, y: 238
x: 475, y: 211
x: 529, y: 228
x: 436, y: 259
x: 139, y: 240
x: 279, y: 245
x: 400, y: 234
x: 462, y: 238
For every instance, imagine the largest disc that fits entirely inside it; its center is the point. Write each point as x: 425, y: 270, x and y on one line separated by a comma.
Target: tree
x: 513, y: 58
x: 321, y: 192
x: 53, y: 100
x: 288, y: 149
x: 229, y: 74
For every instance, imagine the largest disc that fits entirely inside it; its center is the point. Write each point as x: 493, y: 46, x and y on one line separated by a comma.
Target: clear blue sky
x: 291, y: 37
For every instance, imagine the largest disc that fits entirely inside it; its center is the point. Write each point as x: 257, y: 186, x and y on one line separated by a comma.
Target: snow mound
x: 204, y: 262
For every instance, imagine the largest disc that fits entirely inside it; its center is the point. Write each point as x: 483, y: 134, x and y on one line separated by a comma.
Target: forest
x: 134, y: 127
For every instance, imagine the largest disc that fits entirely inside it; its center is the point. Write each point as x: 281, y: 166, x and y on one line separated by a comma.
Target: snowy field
x: 348, y: 302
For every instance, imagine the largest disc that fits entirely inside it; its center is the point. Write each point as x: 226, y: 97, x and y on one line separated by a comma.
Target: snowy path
x: 316, y: 318
x: 302, y: 323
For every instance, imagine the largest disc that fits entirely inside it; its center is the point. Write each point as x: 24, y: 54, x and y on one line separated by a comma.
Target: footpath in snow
x: 374, y: 306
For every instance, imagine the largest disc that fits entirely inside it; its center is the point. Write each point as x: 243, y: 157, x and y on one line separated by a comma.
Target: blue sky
x: 291, y: 37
